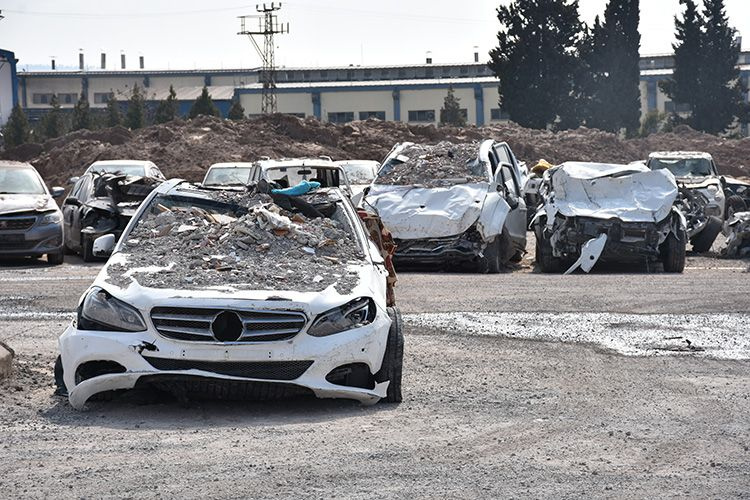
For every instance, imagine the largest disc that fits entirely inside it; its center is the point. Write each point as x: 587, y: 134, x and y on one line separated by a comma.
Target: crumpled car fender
x: 492, y: 217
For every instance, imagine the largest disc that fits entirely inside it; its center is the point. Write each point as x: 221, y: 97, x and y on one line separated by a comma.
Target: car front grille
x: 193, y: 324
x: 266, y: 370
x: 16, y: 223
x: 16, y: 244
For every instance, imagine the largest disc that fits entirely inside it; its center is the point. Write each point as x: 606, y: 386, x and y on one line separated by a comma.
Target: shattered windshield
x: 243, y: 240
x: 228, y: 176
x: 442, y: 164
x: 292, y: 175
x: 20, y: 181
x: 135, y: 170
x: 683, y: 167
x: 359, y: 173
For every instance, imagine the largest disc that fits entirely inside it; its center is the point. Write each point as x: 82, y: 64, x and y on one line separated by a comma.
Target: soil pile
x: 185, y: 148
x: 244, y: 241
x: 442, y: 164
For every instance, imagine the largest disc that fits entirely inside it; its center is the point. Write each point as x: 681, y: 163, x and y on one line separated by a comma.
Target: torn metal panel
x: 590, y: 253
x: 737, y: 230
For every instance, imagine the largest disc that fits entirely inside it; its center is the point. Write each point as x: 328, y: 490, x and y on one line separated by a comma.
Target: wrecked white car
x: 737, y: 231
x: 451, y: 204
x: 229, y: 295
x: 614, y: 213
x: 701, y: 198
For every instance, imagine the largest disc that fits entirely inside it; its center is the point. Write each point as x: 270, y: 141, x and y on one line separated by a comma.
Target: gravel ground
x: 484, y: 414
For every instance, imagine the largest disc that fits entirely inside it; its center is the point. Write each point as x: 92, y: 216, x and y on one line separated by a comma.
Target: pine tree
x: 82, y: 114
x: 113, y: 112
x: 16, y: 131
x: 685, y: 86
x: 451, y: 114
x: 236, y: 111
x: 536, y: 60
x: 203, y: 105
x: 167, y: 109
x: 612, y: 60
x: 136, y: 114
x: 53, y: 124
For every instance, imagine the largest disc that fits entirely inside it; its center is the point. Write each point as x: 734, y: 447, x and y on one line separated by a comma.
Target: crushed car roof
x: 681, y: 154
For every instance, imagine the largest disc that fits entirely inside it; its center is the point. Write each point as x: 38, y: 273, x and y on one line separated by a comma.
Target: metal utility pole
x: 268, y: 26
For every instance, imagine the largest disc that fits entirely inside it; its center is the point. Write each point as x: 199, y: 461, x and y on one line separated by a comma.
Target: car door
x: 509, y: 176
x: 84, y: 194
x: 70, y: 207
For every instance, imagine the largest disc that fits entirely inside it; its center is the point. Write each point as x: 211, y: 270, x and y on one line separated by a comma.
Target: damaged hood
x: 13, y: 203
x: 631, y: 193
x: 411, y: 212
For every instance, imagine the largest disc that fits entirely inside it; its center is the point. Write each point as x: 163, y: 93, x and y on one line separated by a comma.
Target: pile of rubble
x: 443, y: 164
x: 245, y: 241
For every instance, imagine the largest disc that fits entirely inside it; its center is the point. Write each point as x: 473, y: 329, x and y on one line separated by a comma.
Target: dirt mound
x: 185, y: 148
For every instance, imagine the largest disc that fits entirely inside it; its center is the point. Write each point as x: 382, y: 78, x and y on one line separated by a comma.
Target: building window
x: 429, y: 73
x: 464, y: 70
x: 672, y: 107
x: 306, y: 75
x: 497, y: 114
x: 402, y: 73
x: 350, y: 74
x: 41, y: 98
x: 384, y: 73
x: 446, y: 71
x: 102, y: 97
x: 341, y: 117
x: 422, y: 115
x: 290, y: 76
x: 324, y: 75
x: 368, y: 73
x: 364, y: 115
x: 67, y: 98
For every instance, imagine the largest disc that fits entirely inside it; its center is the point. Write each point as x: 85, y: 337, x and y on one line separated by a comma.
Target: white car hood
x: 11, y: 203
x: 411, y: 212
x: 633, y: 194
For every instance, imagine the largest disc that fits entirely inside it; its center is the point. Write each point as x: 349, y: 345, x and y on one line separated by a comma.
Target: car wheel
x: 546, y: 260
x: 674, y: 252
x: 87, y: 250
x: 735, y: 204
x: 517, y: 257
x: 393, y: 359
x: 702, y: 241
x: 490, y: 261
x: 55, y: 259
x: 59, y: 380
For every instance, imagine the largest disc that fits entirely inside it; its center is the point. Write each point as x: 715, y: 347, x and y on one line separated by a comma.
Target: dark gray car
x: 30, y: 221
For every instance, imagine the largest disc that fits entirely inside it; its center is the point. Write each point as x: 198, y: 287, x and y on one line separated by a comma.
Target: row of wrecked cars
x: 281, y: 282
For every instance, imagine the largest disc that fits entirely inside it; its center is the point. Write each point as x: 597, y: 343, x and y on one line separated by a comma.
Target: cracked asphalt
x: 499, y: 400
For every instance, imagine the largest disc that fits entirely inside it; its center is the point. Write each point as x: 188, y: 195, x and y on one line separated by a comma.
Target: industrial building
x: 410, y: 93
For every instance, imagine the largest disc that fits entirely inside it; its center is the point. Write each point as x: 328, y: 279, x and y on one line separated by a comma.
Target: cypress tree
x: 16, y: 131
x: 136, y: 114
x: 52, y: 124
x: 113, y: 112
x: 167, y: 109
x: 82, y: 114
x: 451, y: 114
x: 236, y: 111
x: 203, y: 105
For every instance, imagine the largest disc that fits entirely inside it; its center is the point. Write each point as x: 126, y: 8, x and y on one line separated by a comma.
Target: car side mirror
x: 57, y: 191
x: 104, y: 245
x: 73, y: 180
x: 72, y: 200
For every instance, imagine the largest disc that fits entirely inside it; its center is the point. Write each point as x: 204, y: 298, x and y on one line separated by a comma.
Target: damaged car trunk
x: 102, y: 203
x: 612, y: 213
x: 452, y: 204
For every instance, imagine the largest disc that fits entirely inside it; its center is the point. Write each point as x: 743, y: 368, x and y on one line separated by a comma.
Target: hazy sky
x: 198, y: 34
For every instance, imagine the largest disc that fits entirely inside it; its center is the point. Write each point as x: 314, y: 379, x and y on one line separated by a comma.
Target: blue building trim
x: 479, y: 103
x: 315, y: 100
x: 11, y: 57
x: 396, y: 104
x: 651, y: 94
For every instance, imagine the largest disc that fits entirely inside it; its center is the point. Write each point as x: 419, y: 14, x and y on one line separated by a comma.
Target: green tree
x: 82, y: 114
x: 451, y: 113
x: 536, y: 59
x: 613, y: 73
x: 236, y: 111
x: 53, y: 124
x: 16, y: 131
x: 167, y: 109
x: 113, y: 116
x: 203, y: 105
x: 136, y: 114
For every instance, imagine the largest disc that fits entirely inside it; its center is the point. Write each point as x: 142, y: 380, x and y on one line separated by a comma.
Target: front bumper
x: 263, y: 362
x: 462, y: 248
x: 34, y: 242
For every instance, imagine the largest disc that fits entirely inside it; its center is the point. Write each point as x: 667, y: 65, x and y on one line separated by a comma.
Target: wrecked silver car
x: 234, y: 295
x: 449, y: 204
x: 701, y: 197
x: 615, y: 213
x: 737, y: 231
x: 101, y: 203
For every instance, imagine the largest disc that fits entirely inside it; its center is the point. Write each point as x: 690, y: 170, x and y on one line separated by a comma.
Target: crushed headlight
x: 101, y: 311
x: 359, y: 312
x: 50, y: 218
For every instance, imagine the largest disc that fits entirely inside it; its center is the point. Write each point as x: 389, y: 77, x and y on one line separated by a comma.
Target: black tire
x: 517, y: 257
x: 547, y: 262
x: 87, y: 250
x: 490, y: 261
x: 59, y: 380
x: 673, y: 252
x: 702, y: 241
x: 393, y: 359
x: 735, y: 204
x: 55, y: 259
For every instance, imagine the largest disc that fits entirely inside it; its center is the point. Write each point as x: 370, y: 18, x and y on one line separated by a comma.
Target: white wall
x: 356, y: 101
x: 423, y: 99
x: 296, y: 102
x: 6, y: 93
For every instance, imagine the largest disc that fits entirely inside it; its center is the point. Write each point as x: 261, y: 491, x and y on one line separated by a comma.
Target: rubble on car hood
x: 15, y: 203
x: 631, y: 193
x: 442, y: 164
x: 737, y: 229
x: 260, y: 247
